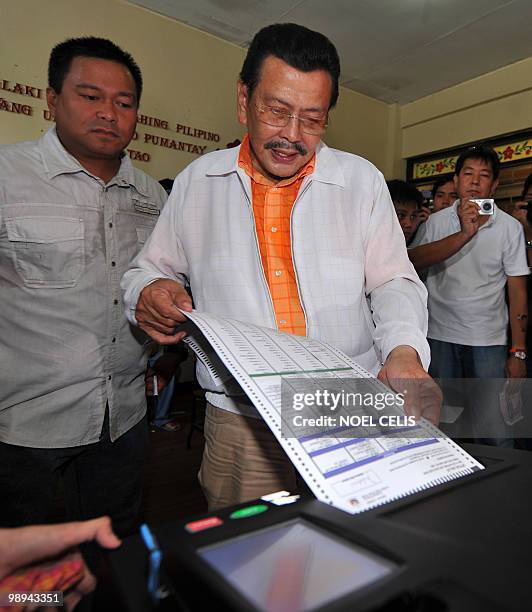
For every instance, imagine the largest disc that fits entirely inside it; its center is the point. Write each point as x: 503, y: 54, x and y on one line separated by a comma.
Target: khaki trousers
x: 242, y: 460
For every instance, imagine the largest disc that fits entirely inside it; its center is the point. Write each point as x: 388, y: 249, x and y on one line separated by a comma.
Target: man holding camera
x: 474, y: 250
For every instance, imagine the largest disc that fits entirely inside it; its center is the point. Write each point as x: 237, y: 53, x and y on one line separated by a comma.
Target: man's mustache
x: 281, y: 144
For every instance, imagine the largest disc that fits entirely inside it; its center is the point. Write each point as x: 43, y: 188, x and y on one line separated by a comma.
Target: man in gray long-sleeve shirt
x: 73, y: 213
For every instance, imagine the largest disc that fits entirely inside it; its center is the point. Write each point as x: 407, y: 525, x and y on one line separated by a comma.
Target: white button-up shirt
x: 358, y: 289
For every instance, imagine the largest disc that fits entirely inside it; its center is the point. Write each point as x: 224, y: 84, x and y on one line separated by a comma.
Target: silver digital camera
x: 486, y: 206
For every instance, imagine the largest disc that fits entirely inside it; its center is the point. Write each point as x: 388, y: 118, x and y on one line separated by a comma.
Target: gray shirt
x: 66, y: 348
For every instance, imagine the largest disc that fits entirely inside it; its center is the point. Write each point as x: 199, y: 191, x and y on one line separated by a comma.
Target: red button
x: 207, y: 523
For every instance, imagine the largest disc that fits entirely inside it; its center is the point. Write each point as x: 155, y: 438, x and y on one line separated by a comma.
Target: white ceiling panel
x: 371, y: 32
x: 393, y: 50
x: 232, y: 20
x: 475, y: 49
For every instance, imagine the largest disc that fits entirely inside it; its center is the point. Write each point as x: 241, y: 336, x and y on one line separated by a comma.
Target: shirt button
x: 109, y: 377
x: 278, y: 272
x: 282, y: 322
x: 110, y: 225
x: 113, y: 340
x: 115, y: 302
x: 113, y: 263
x: 274, y: 229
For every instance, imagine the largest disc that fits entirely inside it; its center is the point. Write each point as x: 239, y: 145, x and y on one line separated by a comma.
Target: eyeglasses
x: 271, y: 115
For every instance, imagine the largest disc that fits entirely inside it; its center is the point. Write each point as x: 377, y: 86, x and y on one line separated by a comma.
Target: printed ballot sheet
x: 356, y: 458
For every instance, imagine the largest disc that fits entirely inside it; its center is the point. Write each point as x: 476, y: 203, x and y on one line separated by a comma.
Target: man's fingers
x: 160, y: 302
x: 431, y: 401
x: 164, y: 312
x: 153, y: 326
x: 470, y: 214
x: 165, y: 339
x: 412, y: 408
x: 158, y: 313
x: 98, y: 529
x: 86, y: 585
x: 149, y: 316
x: 422, y: 396
x: 428, y: 408
x: 410, y: 391
x: 170, y: 318
x: 104, y: 533
x: 165, y: 308
x: 469, y: 211
x: 184, y: 302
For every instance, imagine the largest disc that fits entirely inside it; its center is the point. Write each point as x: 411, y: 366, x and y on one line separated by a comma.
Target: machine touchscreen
x: 294, y: 566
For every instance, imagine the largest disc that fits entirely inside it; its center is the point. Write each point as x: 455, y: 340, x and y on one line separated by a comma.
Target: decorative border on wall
x: 511, y: 149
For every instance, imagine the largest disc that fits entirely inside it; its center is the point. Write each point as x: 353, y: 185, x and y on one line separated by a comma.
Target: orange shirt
x: 272, y: 206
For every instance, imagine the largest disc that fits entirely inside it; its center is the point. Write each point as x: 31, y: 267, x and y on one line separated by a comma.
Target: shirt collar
x: 57, y: 160
x: 245, y: 161
x: 326, y: 166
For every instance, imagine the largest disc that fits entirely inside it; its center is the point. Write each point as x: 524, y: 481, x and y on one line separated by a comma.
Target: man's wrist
x: 518, y: 352
x: 404, y: 350
x: 464, y: 236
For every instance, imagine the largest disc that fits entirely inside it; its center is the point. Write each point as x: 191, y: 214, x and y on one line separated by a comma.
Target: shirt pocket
x: 142, y: 228
x: 48, y: 252
x: 146, y: 215
x: 143, y: 232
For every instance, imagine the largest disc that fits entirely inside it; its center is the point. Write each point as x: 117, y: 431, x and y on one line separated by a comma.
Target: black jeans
x: 100, y: 478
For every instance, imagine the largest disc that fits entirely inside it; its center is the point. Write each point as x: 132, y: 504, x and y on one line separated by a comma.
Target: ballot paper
x: 348, y: 458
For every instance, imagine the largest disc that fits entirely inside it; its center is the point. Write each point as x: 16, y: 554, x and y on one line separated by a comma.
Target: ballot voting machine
x: 462, y: 546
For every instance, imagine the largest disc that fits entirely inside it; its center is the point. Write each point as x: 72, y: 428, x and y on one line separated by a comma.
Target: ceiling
x: 392, y: 50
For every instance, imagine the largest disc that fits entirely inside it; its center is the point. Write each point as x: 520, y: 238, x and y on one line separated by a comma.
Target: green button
x: 249, y: 511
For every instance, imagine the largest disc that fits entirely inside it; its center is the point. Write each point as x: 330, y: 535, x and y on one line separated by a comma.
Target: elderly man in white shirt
x: 345, y: 251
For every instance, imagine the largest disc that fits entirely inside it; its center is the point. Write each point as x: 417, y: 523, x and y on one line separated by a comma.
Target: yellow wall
x: 361, y: 125
x: 496, y: 103
x: 189, y: 78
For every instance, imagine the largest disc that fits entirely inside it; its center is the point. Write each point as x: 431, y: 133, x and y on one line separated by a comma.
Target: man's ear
x: 242, y: 102
x: 51, y: 99
x: 494, y: 186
